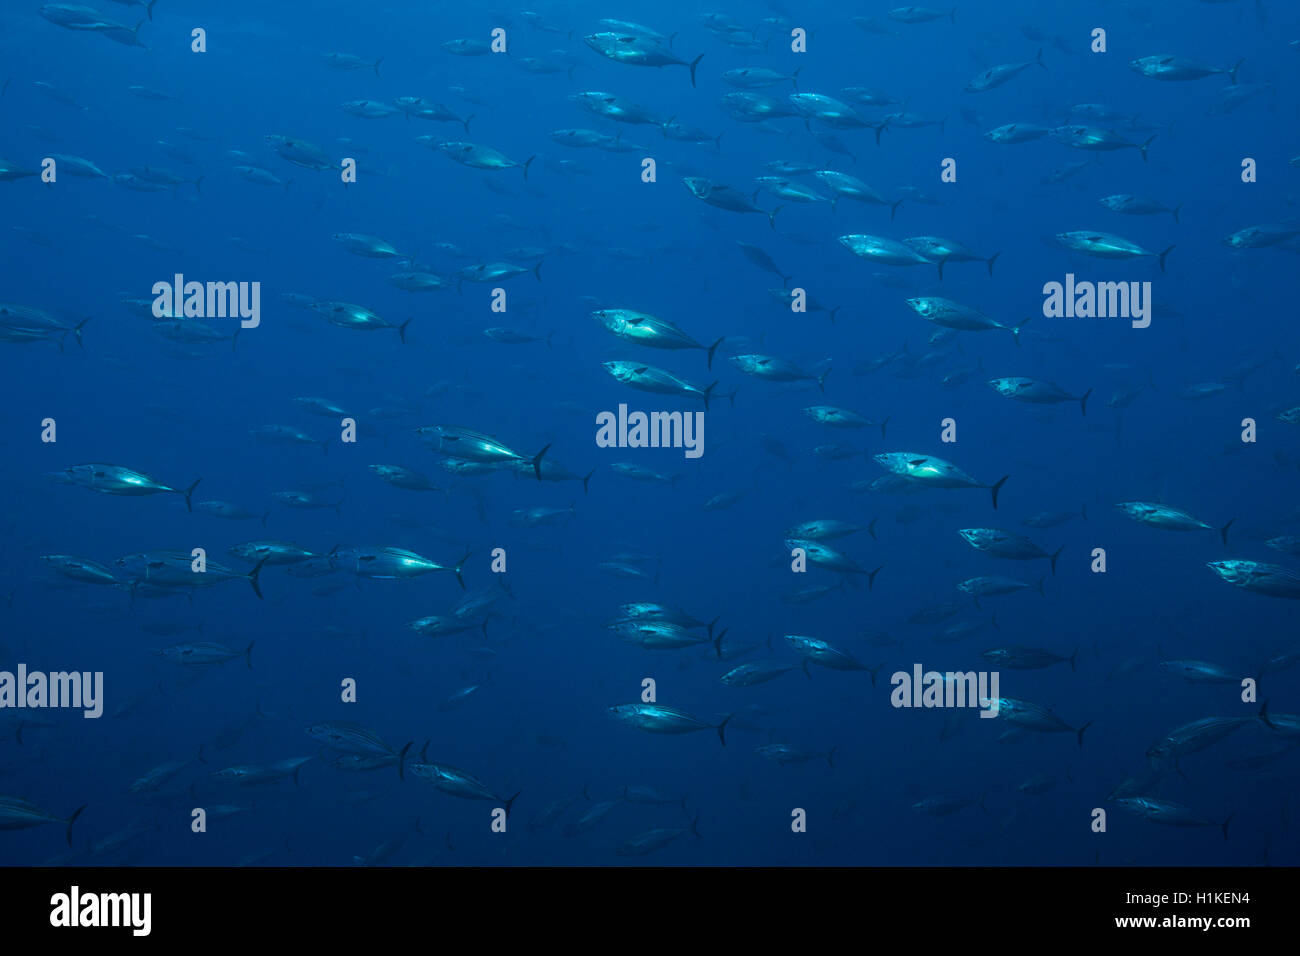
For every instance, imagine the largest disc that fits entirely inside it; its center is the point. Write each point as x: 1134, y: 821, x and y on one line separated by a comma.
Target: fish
x: 647, y: 378
x: 1020, y: 657
x: 661, y: 719
x: 816, y: 651
x: 995, y: 76
x: 934, y: 472
x: 1031, y: 717
x: 725, y: 197
x: 476, y: 155
x: 954, y: 315
x: 652, y: 840
x: 884, y: 251
x: 348, y: 61
x: 1105, y: 245
x: 757, y: 672
x: 19, y: 814
x: 205, y: 654
x: 1033, y: 391
x: 1096, y: 139
x: 1169, y: 813
x: 109, y: 479
x: 1173, y: 519
x: 641, y: 328
x: 1260, y: 577
x: 390, y: 563
x: 993, y: 586
x: 1004, y: 544
x: 776, y: 370
x: 637, y: 50
x: 1137, y: 206
x: 1164, y: 66
x: 784, y: 755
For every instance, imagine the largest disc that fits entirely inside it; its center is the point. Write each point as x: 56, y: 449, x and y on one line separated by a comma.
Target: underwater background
x: 904, y: 786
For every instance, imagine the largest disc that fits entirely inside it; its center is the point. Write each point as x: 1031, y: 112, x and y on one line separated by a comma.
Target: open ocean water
x: 428, y: 602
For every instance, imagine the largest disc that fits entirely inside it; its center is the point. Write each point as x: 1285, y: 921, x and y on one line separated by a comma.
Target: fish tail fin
x: 1223, y: 532
x: 771, y: 216
x: 731, y: 397
x: 952, y: 15
x: 73, y: 819
x: 1018, y: 328
x: 992, y: 259
x: 1224, y: 825
x: 871, y: 577
x: 460, y: 566
x: 401, y: 769
x: 693, y: 64
x: 1073, y: 659
x: 1039, y: 59
x: 1080, y: 731
x: 1083, y: 402
x: 465, y: 121
x: 1232, y: 75
x: 149, y: 8
x: 252, y: 579
x: 832, y: 313
x: 586, y: 479
x: 537, y: 271
x: 1162, y: 257
x: 893, y: 207
x: 713, y: 622
x: 941, y: 264
x: 248, y: 655
x: 695, y: 823
x: 717, y: 641
x: 873, y: 671
x: 1143, y: 148
x: 1054, y: 557
x: 996, y: 488
x: 1175, y: 211
x: 77, y: 331
x: 722, y: 727
x: 830, y: 758
x: 883, y: 426
x: 537, y: 462
x: 708, y: 393
x: 821, y: 380
x: 1040, y: 586
x: 401, y: 329
x: 526, y: 162
x: 189, y: 494
x: 198, y: 184
x: 871, y: 528
x: 1263, y: 715
x: 713, y: 348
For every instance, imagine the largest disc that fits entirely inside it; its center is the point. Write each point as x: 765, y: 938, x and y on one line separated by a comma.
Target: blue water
x: 539, y: 722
